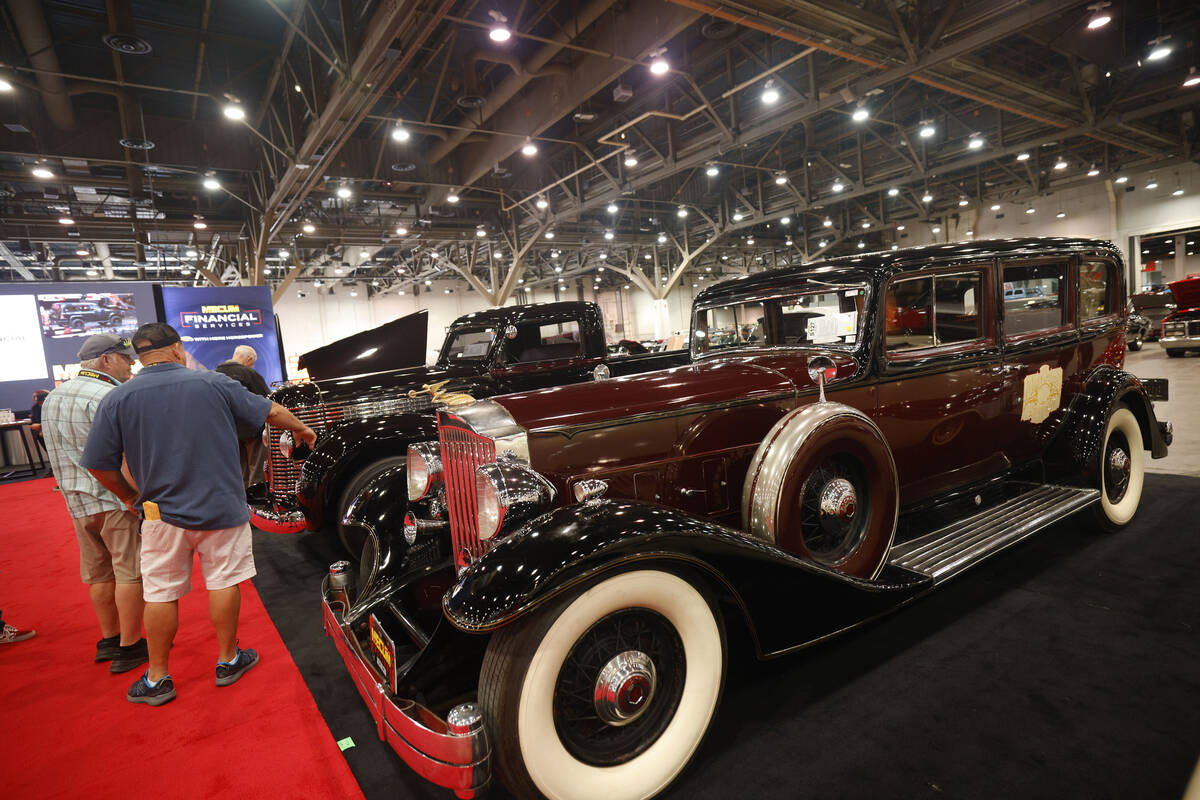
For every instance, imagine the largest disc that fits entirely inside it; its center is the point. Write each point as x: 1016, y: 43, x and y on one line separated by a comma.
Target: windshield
x: 825, y: 313
x: 467, y: 345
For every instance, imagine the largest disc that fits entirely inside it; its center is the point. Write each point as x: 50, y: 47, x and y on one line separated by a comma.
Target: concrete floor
x: 1183, y: 409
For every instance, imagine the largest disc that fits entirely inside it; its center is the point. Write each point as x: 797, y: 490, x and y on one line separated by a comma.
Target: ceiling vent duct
x: 127, y: 44
x: 717, y: 29
x: 135, y: 143
x: 403, y: 166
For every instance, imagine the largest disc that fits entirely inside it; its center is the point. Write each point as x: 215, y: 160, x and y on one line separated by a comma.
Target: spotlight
x: 612, y: 208
x: 964, y: 202
x: 65, y: 221
x: 995, y: 206
x: 682, y: 212
x: 400, y: 133
x: 860, y: 114
x: 608, y: 235
x: 309, y: 227
x: 828, y: 223
x: 234, y: 111
x: 402, y: 231
x: 499, y: 31
x: 5, y: 86
x: 712, y: 170
x: 892, y: 192
x: 480, y: 232
x: 549, y: 234
x: 630, y: 159
x: 1153, y: 184
x: 1029, y: 210
x: 1022, y: 156
x: 975, y: 142
x: 927, y: 130
x: 737, y: 217
x: 42, y: 172
x: 785, y: 220
x: 927, y: 198
x: 837, y: 186
x: 542, y: 203
x: 1060, y: 164
x: 659, y: 65
x: 1121, y: 179
x: 199, y: 224
x: 1159, y: 49
x: 770, y: 95
x: 211, y: 183
x: 82, y: 251
x: 1192, y: 79
x: 529, y: 149
x: 452, y: 197
x: 343, y: 192
x: 936, y: 229
x: 780, y: 178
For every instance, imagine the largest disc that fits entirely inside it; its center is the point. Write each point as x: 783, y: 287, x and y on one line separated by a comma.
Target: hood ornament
x: 449, y: 399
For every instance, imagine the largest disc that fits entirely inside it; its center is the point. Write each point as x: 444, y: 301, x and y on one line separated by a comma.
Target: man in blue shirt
x: 178, y: 431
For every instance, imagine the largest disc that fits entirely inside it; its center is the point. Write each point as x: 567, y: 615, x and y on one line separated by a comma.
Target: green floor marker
x: 345, y: 744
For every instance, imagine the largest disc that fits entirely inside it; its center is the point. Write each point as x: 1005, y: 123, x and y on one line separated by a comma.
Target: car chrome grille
x: 284, y: 473
x: 463, y: 451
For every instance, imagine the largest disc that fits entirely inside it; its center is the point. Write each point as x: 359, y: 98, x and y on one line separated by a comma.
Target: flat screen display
x: 43, y: 325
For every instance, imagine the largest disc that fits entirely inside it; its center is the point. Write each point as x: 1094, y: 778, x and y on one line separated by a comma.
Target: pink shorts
x: 226, y: 559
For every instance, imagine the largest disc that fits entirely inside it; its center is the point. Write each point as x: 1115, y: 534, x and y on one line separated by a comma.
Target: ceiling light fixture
x: 828, y: 223
x: 199, y: 224
x: 861, y: 244
x: 659, y: 64
x: 750, y: 240
x: 780, y: 178
x: 480, y: 232
x: 1060, y: 164
x: 712, y: 170
x: 343, y: 192
x: 662, y: 238
x: 309, y: 227
x: 770, y: 94
x: 608, y: 235
x: 542, y: 203
x: 963, y: 202
x: 1159, y: 49
x: 866, y: 224
x: 191, y: 253
x: 1100, y: 17
x: 927, y: 198
x: 529, y: 149
x: 401, y: 231
x: 1093, y: 172
x: 892, y: 192
x: 975, y: 142
x: 927, y: 130
x: 995, y: 206
x: 612, y: 208
x: 899, y: 227
x: 860, y: 114
x: 211, y: 183
x: 1192, y: 79
x: 499, y: 31
x: 400, y: 133
x: 682, y: 212
x: 1121, y: 179
x: 549, y: 234
x: 1022, y: 156
x: 1061, y: 214
x: 1153, y: 184
x: 837, y: 186
x: 936, y: 229
x: 284, y: 253
x: 42, y: 172
x: 452, y: 197
x: 1029, y: 210
x: 785, y: 220
x: 630, y: 159
x: 789, y: 243
x: 82, y: 251
x: 234, y: 111
x: 5, y: 86
x: 1178, y: 191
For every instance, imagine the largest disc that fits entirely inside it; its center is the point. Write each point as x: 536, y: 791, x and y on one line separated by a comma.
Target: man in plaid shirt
x: 107, y: 531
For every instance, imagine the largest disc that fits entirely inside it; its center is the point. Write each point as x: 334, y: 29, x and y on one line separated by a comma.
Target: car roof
x: 517, y: 314
x: 910, y: 259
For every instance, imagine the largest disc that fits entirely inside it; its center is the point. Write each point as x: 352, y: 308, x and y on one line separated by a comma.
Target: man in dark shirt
x: 253, y: 452
x: 177, y: 429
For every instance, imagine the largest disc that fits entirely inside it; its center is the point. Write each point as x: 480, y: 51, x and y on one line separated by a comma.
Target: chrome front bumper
x: 452, y: 754
x: 1180, y: 342
x: 271, y: 518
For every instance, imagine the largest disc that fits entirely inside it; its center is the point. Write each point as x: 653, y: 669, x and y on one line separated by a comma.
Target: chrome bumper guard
x: 453, y: 753
x: 273, y: 519
x: 1179, y: 342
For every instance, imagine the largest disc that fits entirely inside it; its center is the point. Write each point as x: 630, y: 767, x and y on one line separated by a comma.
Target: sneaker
x: 11, y: 634
x: 230, y: 672
x: 108, y: 648
x: 130, y: 656
x: 143, y: 692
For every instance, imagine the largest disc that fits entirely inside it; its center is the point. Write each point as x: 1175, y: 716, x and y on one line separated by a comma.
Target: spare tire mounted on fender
x: 823, y: 485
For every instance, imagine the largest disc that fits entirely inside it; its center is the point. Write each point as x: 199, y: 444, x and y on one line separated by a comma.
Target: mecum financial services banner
x: 213, y: 320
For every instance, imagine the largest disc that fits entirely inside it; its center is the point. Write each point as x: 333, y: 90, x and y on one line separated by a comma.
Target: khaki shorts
x: 226, y: 559
x: 109, y: 547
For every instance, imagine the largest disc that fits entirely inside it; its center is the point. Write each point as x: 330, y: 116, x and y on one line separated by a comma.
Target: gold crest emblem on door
x: 1043, y: 394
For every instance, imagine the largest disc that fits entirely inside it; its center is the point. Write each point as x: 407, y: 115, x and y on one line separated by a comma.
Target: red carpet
x: 67, y: 729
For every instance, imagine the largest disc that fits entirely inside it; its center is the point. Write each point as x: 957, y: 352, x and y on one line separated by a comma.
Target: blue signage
x: 214, y: 320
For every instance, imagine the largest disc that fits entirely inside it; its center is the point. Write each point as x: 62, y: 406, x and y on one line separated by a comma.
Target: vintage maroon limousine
x: 551, y: 606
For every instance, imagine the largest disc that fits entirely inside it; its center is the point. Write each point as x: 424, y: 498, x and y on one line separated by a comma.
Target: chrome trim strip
x: 569, y: 431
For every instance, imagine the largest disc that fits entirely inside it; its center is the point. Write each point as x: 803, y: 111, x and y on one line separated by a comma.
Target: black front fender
x: 350, y: 447
x: 786, y: 602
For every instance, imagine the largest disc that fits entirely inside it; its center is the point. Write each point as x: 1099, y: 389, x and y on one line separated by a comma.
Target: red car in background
x: 1181, y: 328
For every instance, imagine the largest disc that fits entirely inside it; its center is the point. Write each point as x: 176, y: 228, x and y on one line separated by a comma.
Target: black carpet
x: 1067, y: 667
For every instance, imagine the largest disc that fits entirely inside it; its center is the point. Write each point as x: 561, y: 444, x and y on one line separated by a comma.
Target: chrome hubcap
x: 625, y: 687
x: 839, y: 504
x: 1118, y: 468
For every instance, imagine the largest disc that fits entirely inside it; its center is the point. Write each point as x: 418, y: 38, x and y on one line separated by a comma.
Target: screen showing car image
x: 76, y: 314
x: 43, y: 325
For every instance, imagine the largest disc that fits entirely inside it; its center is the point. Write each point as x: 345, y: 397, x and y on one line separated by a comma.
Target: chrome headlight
x: 424, y: 468
x: 286, y: 443
x: 509, y: 493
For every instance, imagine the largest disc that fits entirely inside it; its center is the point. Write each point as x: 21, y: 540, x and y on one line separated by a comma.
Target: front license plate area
x: 1156, y: 389
x: 383, y: 653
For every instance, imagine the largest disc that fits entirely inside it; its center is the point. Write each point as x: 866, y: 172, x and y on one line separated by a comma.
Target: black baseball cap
x: 154, y: 335
x: 104, y: 343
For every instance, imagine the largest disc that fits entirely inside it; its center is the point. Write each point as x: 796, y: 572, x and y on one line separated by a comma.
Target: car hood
x: 360, y: 387
x: 1186, y: 292
x: 713, y: 381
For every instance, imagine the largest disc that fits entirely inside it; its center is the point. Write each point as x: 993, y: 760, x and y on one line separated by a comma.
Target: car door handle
x: 692, y: 492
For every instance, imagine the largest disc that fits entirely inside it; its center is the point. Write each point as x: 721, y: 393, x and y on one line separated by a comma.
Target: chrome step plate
x: 948, y: 551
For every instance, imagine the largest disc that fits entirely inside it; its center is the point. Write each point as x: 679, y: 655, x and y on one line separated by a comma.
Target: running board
x: 948, y: 551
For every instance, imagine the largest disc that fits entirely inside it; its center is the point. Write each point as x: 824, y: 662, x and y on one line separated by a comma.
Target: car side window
x: 1095, y: 290
x: 934, y: 310
x: 1034, y: 297
x: 544, y: 341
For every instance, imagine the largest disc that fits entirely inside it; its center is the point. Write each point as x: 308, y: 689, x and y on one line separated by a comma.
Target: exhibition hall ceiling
x: 512, y: 143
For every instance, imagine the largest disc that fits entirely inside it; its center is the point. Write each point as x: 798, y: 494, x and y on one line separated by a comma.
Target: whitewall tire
x: 1122, y: 469
x: 651, y: 638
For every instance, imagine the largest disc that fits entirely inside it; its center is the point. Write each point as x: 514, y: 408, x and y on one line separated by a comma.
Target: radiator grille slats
x: 463, y: 451
x: 284, y: 473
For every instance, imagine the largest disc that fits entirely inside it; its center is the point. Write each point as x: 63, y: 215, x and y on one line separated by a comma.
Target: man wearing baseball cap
x: 178, y: 428
x: 107, y: 531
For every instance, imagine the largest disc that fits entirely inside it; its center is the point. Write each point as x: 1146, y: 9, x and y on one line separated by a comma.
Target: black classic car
x: 545, y: 587
x: 1137, y: 330
x: 1154, y: 304
x: 363, y: 421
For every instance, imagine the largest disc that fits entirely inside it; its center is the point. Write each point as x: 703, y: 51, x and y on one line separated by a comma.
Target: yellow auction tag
x: 150, y: 510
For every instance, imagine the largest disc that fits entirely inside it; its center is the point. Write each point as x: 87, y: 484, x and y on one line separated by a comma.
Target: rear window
x: 543, y: 341
x: 1033, y: 298
x: 1095, y: 290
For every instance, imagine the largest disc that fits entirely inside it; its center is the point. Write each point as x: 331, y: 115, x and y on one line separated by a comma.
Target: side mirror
x: 821, y: 369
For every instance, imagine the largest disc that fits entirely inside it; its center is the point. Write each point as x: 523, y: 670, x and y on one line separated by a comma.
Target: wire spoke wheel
x: 619, y: 687
x: 834, y: 509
